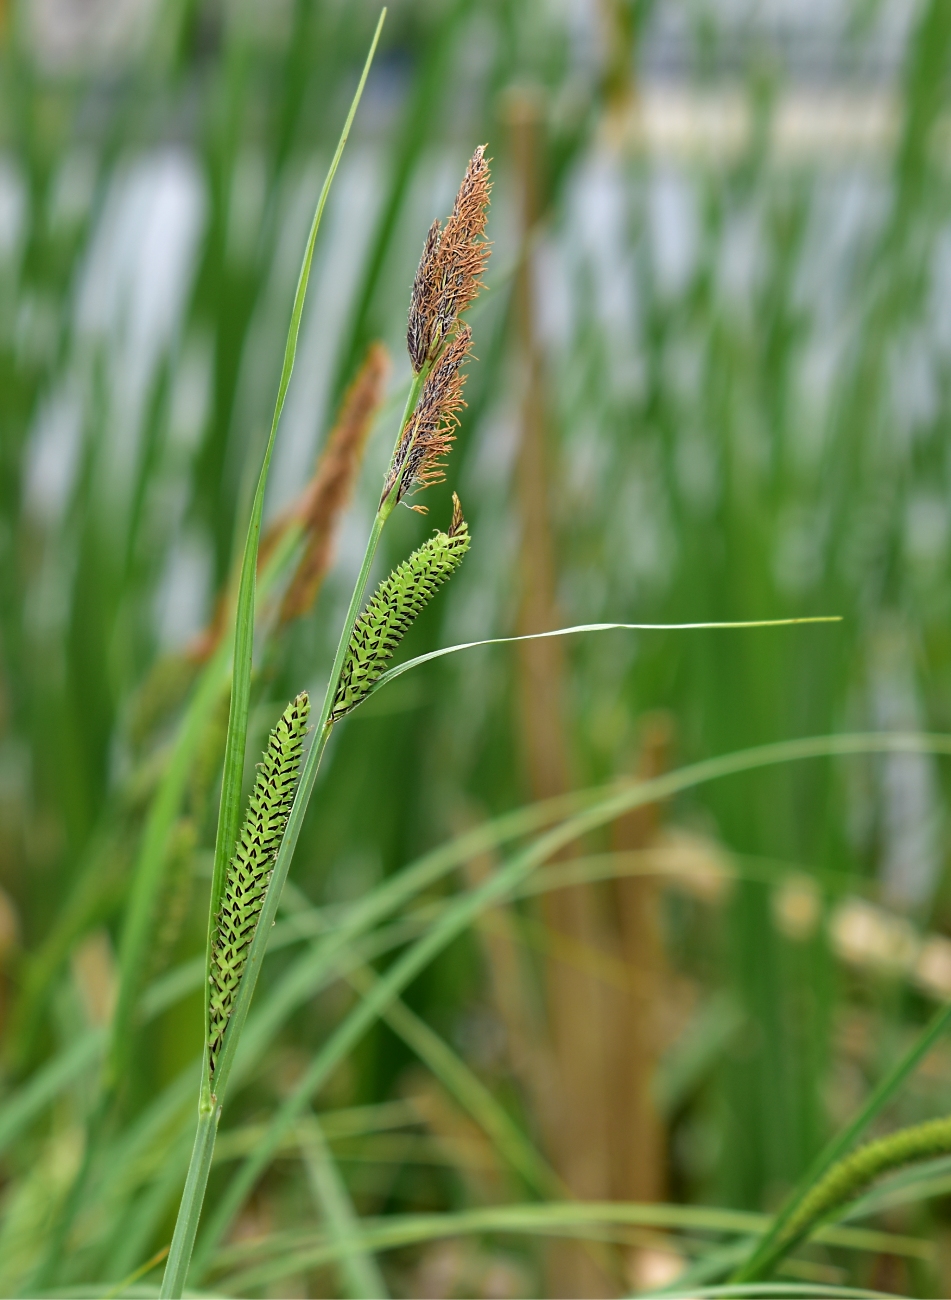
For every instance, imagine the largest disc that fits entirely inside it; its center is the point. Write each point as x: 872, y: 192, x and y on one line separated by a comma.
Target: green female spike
x: 395, y: 605
x: 250, y: 870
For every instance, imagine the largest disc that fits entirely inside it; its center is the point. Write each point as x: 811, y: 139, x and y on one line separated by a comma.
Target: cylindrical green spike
x: 250, y: 869
x: 397, y: 602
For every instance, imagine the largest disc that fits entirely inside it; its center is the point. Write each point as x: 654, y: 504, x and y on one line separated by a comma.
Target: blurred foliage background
x: 714, y: 383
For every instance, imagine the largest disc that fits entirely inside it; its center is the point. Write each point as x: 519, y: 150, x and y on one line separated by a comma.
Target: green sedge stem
x: 186, y: 1225
x: 774, y: 1245
x: 230, y: 814
x: 285, y: 854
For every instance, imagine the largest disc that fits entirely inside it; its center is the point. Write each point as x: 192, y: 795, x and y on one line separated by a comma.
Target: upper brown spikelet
x: 323, y: 501
x: 431, y: 428
x: 448, y: 277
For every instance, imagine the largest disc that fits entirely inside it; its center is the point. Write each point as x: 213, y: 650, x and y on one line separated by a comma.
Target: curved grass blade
x: 467, y: 1088
x: 19, y: 1108
x: 136, y: 1274
x: 398, y: 671
x: 772, y: 1247
x: 560, y: 1219
x: 509, y: 878
x: 359, y: 1273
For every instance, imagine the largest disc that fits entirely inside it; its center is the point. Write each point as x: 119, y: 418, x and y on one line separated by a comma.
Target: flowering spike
x: 249, y: 872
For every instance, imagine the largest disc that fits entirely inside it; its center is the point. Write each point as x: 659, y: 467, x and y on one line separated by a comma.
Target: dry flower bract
x: 447, y: 281
x: 431, y: 429
x: 448, y: 277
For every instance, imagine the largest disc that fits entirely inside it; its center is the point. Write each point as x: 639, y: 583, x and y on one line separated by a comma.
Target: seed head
x: 431, y: 429
x: 448, y: 277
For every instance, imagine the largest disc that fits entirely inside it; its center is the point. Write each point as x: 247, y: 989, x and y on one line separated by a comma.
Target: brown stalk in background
x: 329, y: 491
x: 603, y: 1135
x: 318, y: 509
x: 576, y: 1102
x: 638, y: 1148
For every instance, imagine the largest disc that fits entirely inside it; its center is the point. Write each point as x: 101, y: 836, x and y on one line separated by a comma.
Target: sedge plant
x: 250, y: 868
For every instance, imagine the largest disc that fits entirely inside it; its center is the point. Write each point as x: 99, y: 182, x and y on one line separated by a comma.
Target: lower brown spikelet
x: 324, y: 500
x: 431, y: 429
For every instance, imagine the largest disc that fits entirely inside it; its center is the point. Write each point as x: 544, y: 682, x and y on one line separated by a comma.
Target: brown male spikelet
x: 430, y: 430
x: 449, y: 274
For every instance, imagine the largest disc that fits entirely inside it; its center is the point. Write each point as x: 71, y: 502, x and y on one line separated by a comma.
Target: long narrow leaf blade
x: 233, y: 775
x: 398, y: 671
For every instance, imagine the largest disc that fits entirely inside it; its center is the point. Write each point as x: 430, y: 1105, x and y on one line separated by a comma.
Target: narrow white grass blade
x: 594, y: 627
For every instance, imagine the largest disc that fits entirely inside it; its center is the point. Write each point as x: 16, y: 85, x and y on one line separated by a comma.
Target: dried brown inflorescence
x: 320, y: 505
x: 323, y: 501
x: 431, y: 428
x: 449, y: 274
x: 447, y: 282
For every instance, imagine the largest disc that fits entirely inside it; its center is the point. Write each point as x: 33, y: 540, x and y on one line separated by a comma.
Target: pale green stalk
x: 360, y: 1275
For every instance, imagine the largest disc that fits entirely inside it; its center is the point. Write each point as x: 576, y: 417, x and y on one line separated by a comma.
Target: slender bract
x: 395, y: 605
x: 209, y: 1105
x: 250, y: 869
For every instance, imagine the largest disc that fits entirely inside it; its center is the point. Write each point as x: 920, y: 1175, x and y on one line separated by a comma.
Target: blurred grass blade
x: 823, y: 1291
x: 463, y: 911
x: 136, y: 1274
x: 469, y: 1091
x: 472, y: 1094
x: 22, y: 1106
x: 186, y: 1226
x: 147, y: 874
x: 359, y: 1274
